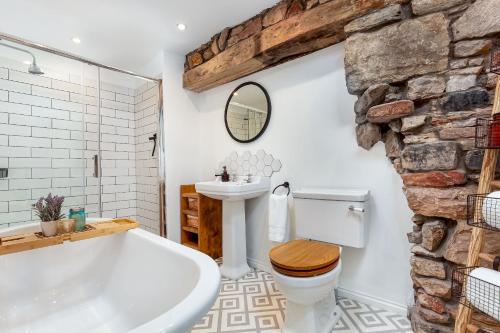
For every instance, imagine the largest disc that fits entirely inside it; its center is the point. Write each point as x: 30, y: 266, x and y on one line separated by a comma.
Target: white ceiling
x: 123, y: 33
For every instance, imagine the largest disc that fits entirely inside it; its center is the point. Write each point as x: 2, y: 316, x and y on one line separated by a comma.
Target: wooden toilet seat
x: 304, y: 258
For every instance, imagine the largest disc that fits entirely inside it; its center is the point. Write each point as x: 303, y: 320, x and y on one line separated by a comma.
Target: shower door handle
x: 96, y: 166
x: 153, y: 138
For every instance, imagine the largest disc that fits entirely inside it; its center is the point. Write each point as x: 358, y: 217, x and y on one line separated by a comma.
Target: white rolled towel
x: 491, y: 209
x: 278, y: 217
x: 483, y: 291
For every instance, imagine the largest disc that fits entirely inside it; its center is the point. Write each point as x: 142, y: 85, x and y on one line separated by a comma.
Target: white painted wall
x: 312, y: 132
x: 182, y: 165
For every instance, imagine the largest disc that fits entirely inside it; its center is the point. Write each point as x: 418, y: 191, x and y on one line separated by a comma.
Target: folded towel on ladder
x: 483, y: 291
x: 278, y: 217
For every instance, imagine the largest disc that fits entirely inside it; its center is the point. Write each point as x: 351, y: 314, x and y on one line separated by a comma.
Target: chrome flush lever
x: 356, y: 209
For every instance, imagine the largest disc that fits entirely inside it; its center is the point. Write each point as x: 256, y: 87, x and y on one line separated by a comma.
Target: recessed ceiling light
x: 27, y: 62
x: 76, y: 40
x: 181, y: 26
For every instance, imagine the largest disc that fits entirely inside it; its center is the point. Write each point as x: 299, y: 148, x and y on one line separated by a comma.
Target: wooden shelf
x: 190, y: 195
x: 192, y: 245
x: 190, y: 212
x: 201, y: 221
x: 30, y: 241
x: 190, y: 229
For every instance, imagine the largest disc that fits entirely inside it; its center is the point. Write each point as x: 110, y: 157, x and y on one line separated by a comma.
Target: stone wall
x: 422, y: 80
x: 421, y: 71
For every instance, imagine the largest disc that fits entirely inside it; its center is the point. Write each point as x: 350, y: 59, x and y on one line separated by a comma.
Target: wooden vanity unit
x: 201, y: 222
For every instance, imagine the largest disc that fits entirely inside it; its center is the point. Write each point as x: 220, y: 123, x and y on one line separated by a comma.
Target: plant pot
x: 49, y: 229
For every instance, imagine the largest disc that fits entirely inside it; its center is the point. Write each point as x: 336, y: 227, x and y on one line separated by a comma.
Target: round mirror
x: 248, y: 111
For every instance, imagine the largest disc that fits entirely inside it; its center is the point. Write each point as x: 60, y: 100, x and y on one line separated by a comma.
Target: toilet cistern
x: 233, y: 195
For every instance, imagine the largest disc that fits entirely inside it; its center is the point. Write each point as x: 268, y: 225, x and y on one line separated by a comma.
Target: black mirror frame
x: 268, y: 118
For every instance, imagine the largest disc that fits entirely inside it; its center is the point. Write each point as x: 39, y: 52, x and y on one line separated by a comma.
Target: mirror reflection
x: 247, y: 112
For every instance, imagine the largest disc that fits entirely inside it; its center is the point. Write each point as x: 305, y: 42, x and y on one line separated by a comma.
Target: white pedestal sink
x: 233, y: 195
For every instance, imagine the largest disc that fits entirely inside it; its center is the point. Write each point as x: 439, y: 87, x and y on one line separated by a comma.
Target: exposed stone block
x: 427, y: 138
x: 246, y: 30
x: 433, y: 234
x: 372, y: 96
x: 368, y: 135
x: 471, y: 48
x: 435, y: 178
x: 383, y: 16
x: 194, y: 59
x: 275, y: 14
x: 452, y: 133
x: 422, y: 7
x: 420, y: 325
x: 474, y: 160
x: 413, y: 122
x: 434, y: 317
x: 419, y: 250
x: 479, y: 20
x: 458, y: 247
x: 440, y: 202
x: 393, y: 144
x: 430, y: 302
x: 466, y: 100
x: 414, y: 237
x: 222, y: 40
x: 397, y: 52
x: 384, y: 113
x: 311, y: 3
x: 460, y: 82
x: 432, y: 156
x: 428, y: 267
x: 425, y: 87
x: 434, y: 287
x: 295, y: 8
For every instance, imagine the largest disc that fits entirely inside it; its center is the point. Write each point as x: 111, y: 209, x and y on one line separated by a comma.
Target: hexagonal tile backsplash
x: 258, y: 164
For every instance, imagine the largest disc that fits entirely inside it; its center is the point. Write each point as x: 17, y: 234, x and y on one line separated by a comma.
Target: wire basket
x: 476, y: 293
x: 483, y: 211
x: 488, y: 132
x: 495, y: 60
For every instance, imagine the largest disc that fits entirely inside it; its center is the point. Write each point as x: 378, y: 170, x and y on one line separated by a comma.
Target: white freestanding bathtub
x: 130, y: 282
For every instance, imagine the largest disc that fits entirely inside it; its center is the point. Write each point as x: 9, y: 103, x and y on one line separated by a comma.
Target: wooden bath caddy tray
x: 31, y: 241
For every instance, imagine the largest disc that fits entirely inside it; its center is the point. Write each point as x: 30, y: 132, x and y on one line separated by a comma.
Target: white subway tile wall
x: 49, y: 135
x: 146, y: 166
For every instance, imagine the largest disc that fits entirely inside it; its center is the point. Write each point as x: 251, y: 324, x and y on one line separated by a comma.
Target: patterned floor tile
x: 255, y: 305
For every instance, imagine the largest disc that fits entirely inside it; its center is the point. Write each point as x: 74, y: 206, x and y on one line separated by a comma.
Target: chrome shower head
x: 33, y: 69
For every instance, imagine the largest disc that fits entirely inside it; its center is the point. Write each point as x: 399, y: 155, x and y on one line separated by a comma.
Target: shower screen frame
x: 98, y: 167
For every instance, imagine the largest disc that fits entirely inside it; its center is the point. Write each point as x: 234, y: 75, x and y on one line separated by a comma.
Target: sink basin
x: 233, y: 196
x: 238, y: 190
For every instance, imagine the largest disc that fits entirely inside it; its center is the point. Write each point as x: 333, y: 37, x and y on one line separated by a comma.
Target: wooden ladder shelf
x: 487, y: 182
x: 31, y: 241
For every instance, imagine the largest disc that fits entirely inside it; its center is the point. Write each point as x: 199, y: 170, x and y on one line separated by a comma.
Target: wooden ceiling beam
x: 309, y: 31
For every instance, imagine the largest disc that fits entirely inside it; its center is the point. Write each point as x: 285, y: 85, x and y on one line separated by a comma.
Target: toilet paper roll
x: 483, y: 291
x: 491, y: 209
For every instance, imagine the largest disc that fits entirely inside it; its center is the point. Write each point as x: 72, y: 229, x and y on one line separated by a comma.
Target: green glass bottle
x: 78, y: 215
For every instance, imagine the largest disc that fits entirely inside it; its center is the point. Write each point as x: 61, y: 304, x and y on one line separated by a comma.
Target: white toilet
x: 307, y: 270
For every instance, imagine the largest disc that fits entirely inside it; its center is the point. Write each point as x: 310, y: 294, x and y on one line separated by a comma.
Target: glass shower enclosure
x: 73, y: 128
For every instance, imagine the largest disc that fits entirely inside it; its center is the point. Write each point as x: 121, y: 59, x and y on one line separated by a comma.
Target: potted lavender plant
x: 49, y: 211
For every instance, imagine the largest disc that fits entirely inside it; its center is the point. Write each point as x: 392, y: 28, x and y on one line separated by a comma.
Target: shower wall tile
x: 145, y: 123
x: 49, y: 135
x: 4, y: 73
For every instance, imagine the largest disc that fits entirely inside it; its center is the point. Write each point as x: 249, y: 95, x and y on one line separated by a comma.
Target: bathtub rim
x: 194, y: 306
x: 197, y: 303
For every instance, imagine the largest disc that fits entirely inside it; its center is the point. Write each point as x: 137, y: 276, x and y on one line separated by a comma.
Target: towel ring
x: 285, y: 185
